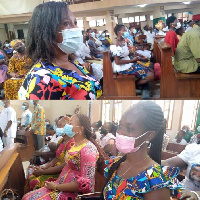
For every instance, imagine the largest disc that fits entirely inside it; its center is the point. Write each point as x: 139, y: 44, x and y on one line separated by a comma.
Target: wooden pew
x: 26, y: 147
x: 11, y: 169
x: 116, y: 86
x: 177, y: 148
x: 146, y: 45
x: 174, y: 84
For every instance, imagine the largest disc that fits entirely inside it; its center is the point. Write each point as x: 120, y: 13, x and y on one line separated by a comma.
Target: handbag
x: 9, y: 194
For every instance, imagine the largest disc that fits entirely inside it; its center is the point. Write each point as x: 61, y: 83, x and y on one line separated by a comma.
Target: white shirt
x: 191, y: 156
x: 55, y: 138
x: 24, y: 116
x: 106, y: 139
x: 183, y: 142
x: 9, y: 114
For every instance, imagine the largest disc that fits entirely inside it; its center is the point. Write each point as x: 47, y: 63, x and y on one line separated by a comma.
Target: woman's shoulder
x: 116, y: 50
x: 157, y: 177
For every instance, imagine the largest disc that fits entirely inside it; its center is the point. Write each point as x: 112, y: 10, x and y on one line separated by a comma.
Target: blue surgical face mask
x: 2, y: 103
x: 97, y: 35
x: 31, y: 102
x: 92, y: 129
x: 68, y: 130
x: 59, y: 131
x: 23, y: 107
x: 54, y: 127
x: 93, y: 34
x: 126, y: 35
x: 72, y: 40
x: 47, y: 123
x: 134, y: 31
x: 103, y: 35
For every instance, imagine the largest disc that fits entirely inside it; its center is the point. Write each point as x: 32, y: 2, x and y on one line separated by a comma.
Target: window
x: 125, y: 20
x: 116, y: 20
x: 105, y: 111
x: 80, y: 23
x: 142, y: 18
x: 117, y: 110
x: 189, y: 113
x: 92, y: 23
x: 137, y: 18
x: 151, y: 17
x: 131, y: 19
x: 167, y: 108
x: 100, y: 22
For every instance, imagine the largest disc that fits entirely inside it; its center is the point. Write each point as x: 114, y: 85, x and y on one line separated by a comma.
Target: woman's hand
x: 135, y: 59
x: 50, y: 185
x: 187, y: 195
x: 38, y: 172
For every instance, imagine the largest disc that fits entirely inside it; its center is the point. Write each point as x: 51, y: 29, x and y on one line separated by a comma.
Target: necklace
x: 77, y: 144
x: 134, y: 165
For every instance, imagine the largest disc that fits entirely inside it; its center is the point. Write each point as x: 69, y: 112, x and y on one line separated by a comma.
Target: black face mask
x: 103, y: 131
x: 87, y: 38
x: 20, y: 49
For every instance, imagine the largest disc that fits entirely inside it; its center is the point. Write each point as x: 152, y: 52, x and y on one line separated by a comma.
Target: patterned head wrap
x: 14, y: 42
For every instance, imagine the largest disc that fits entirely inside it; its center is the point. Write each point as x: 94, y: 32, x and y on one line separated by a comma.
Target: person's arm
x: 28, y: 119
x: 163, y: 194
x: 175, y: 162
x: 172, y: 40
x: 118, y: 61
x: 194, y: 45
x: 51, y: 170
x: 40, y: 117
x: 85, y: 182
x: 11, y: 68
x: 7, y: 127
x: 190, y: 195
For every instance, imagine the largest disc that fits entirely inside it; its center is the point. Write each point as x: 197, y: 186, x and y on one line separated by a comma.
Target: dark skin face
x: 106, y: 125
x: 19, y: 45
x: 131, y: 125
x: 24, y: 104
x: 121, y: 32
x: 69, y: 21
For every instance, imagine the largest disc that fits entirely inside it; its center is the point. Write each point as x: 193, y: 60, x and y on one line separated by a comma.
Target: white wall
x: 21, y: 26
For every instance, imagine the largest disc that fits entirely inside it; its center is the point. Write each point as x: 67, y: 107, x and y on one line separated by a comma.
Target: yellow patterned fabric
x: 38, y: 124
x: 20, y: 66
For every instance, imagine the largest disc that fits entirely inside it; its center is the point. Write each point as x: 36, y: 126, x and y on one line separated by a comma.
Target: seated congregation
x: 78, y: 155
x: 92, y: 66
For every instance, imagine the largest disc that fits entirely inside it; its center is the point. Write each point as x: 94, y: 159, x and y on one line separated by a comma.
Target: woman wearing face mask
x: 171, y: 36
x: 18, y: 67
x: 94, y: 48
x: 138, y: 175
x: 84, y: 57
x: 47, y: 172
x: 107, y: 141
x: 49, y: 44
x: 78, y: 173
x: 122, y: 62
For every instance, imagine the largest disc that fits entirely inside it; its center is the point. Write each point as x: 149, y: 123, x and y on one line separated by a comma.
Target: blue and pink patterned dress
x: 153, y: 178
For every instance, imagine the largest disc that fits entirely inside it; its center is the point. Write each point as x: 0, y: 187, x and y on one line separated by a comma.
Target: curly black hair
x: 117, y: 28
x: 43, y: 28
x: 170, y: 20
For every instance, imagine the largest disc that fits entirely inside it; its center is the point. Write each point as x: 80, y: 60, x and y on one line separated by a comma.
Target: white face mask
x: 72, y: 40
x: 198, y: 129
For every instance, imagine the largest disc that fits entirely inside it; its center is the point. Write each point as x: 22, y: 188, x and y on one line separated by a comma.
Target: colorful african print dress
x: 139, y: 69
x: 33, y: 182
x: 12, y: 85
x: 47, y: 81
x: 153, y: 178
x: 80, y: 167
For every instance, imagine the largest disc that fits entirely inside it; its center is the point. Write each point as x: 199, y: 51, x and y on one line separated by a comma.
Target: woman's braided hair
x: 153, y: 120
x: 85, y: 122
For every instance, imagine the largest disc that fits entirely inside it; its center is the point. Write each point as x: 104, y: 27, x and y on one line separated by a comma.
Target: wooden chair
x: 116, y: 86
x: 141, y: 39
x: 174, y: 84
x: 177, y: 148
x: 11, y: 169
x: 26, y: 146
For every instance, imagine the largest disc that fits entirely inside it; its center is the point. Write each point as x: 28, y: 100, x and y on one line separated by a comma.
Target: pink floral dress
x: 80, y: 167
